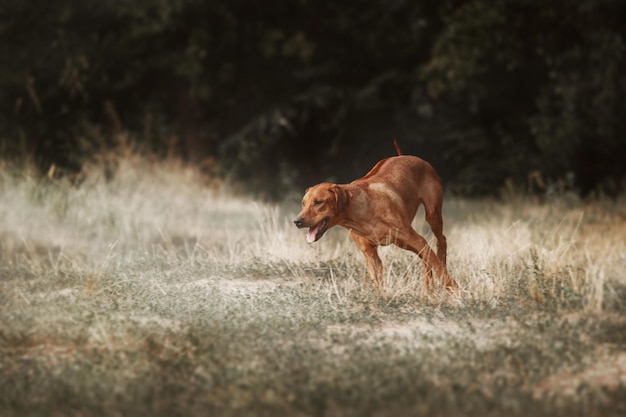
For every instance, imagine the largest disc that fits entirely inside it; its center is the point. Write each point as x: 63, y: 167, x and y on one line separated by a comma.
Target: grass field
x: 151, y: 293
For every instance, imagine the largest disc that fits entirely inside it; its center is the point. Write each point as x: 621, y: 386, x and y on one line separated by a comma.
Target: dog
x: 378, y: 209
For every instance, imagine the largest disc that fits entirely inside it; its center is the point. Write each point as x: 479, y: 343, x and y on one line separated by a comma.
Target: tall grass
x: 149, y: 292
x: 553, y: 252
x: 534, y: 252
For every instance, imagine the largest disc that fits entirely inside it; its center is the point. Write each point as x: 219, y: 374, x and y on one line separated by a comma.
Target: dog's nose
x: 298, y: 222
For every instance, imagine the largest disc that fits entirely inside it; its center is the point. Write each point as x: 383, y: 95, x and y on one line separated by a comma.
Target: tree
x: 301, y: 91
x: 545, y: 80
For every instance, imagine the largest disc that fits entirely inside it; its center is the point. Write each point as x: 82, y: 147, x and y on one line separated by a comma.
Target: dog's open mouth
x: 316, y: 232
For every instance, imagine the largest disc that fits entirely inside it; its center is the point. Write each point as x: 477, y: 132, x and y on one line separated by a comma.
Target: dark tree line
x: 288, y: 93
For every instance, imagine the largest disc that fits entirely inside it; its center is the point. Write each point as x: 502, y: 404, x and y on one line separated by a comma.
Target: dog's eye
x: 317, y: 202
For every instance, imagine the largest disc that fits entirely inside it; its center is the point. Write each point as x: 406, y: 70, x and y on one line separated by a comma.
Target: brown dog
x: 378, y: 210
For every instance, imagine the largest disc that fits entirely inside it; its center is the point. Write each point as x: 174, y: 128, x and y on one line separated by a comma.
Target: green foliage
x: 545, y: 79
x: 486, y: 90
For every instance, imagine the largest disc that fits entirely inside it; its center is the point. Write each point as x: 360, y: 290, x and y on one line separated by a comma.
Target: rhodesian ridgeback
x: 378, y: 209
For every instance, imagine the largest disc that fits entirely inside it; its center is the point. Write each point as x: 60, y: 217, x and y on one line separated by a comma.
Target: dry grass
x: 152, y: 294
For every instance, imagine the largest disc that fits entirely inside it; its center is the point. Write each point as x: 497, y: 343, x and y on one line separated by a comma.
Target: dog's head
x: 322, y: 206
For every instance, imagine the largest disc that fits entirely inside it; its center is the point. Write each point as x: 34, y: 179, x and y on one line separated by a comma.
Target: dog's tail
x: 395, y: 144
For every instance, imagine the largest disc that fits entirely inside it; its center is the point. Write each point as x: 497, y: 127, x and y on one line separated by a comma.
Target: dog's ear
x: 342, y: 197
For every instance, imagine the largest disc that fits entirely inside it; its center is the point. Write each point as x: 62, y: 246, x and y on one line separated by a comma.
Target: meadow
x: 144, y: 290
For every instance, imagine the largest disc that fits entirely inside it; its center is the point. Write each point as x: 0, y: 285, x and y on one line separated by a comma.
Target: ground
x: 153, y: 294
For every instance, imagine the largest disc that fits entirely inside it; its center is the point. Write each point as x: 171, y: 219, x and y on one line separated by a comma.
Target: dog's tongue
x: 311, y: 235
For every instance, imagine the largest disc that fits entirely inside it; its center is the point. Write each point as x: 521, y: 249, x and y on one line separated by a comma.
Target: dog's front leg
x: 374, y: 264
